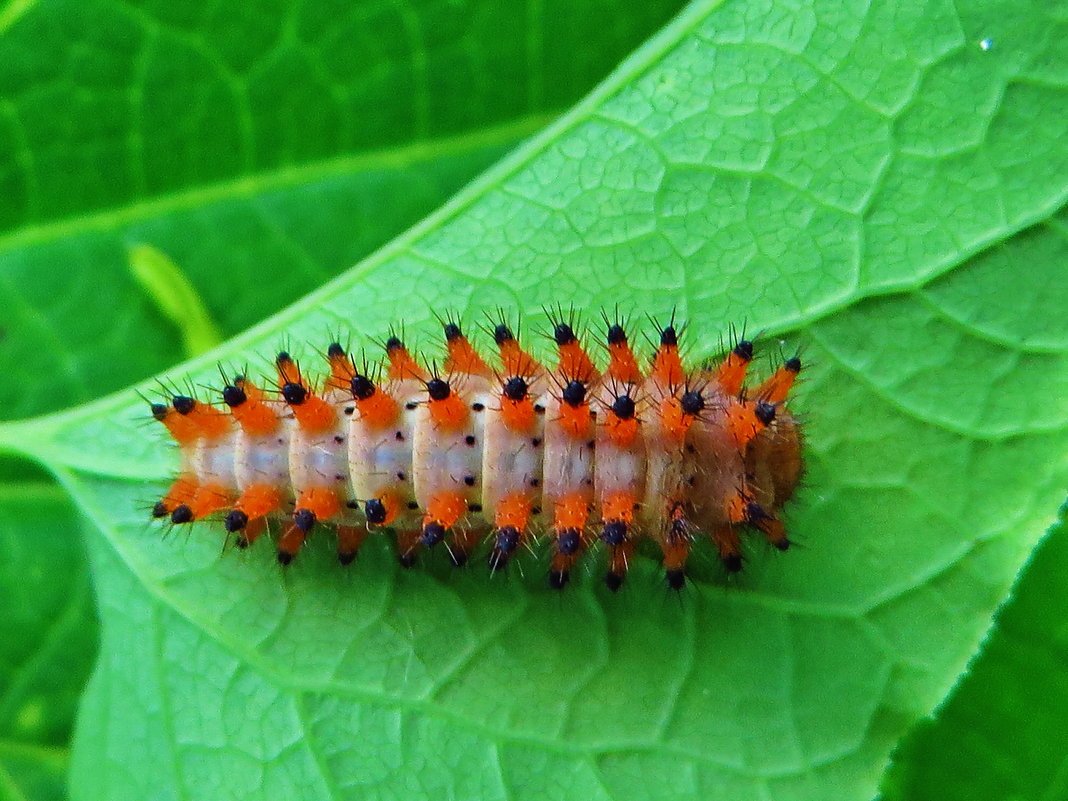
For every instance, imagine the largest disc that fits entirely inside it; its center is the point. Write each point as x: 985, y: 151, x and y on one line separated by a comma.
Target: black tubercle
x: 613, y: 581
x: 574, y: 393
x: 793, y: 364
x: 558, y: 579
x: 515, y: 388
x: 159, y: 411
x: 669, y: 336
x: 452, y: 331
x: 755, y: 514
x: 437, y: 388
x: 564, y: 334
x: 502, y: 334
x: 294, y: 394
x: 676, y: 579
x: 693, y: 402
x: 346, y: 558
x: 284, y: 558
x: 407, y: 560
x: 335, y: 350
x: 233, y: 395
x: 235, y: 520
x: 160, y: 509
x: 304, y: 519
x: 765, y: 412
x: 183, y: 404
x: 394, y: 343
x: 283, y: 357
x: 614, y: 533
x: 623, y: 407
x: 507, y: 539
x: 375, y: 511
x: 732, y: 562
x: 616, y: 335
x: 361, y: 387
x: 458, y: 557
x: 568, y: 541
x: 181, y: 514
x: 744, y: 350
x: 433, y: 533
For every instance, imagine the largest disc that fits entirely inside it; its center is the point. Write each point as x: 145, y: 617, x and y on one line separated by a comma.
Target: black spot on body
x: 469, y: 481
x: 477, y: 407
x: 474, y: 507
x: 399, y: 436
x: 304, y: 519
x: 470, y: 440
x: 338, y: 439
x: 411, y: 406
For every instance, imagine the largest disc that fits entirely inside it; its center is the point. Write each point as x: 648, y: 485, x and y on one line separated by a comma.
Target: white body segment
x: 512, y: 460
x: 568, y: 462
x: 213, y: 461
x: 380, y: 459
x: 449, y: 461
x: 264, y: 459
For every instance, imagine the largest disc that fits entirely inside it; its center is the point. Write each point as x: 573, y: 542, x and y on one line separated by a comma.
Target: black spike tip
x: 558, y: 579
x: 433, y: 533
x: 744, y: 350
x: 676, y: 579
x: 437, y: 388
x: 233, y: 395
x: 515, y: 388
x: 614, y: 533
x: 235, y: 520
x: 335, y: 350
x: 765, y: 412
x: 613, y: 581
x: 375, y: 511
x: 181, y: 514
x: 304, y: 519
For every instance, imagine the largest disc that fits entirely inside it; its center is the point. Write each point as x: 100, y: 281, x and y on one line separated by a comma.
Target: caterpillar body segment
x: 504, y: 454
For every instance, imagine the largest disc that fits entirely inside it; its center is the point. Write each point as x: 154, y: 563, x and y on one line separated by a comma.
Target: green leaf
x: 49, y: 634
x: 865, y: 182
x: 1001, y: 734
x: 103, y: 152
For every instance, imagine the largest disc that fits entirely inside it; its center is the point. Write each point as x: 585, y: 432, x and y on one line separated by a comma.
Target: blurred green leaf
x: 1001, y: 733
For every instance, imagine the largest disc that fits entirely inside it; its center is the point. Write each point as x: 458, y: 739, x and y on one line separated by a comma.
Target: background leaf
x: 863, y: 181
x: 116, y: 122
x: 1000, y: 734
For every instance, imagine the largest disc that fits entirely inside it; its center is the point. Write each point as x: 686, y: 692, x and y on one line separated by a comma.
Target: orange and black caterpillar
x: 507, y: 454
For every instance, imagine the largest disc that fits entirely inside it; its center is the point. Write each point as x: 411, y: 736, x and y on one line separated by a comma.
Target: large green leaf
x: 863, y: 181
x: 104, y: 158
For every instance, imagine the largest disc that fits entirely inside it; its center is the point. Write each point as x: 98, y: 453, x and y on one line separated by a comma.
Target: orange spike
x: 379, y: 409
x: 180, y: 492
x: 314, y: 415
x: 731, y: 372
x: 401, y: 364
x: 445, y: 508
x: 323, y: 502
x: 621, y: 430
x: 341, y: 369
x: 778, y: 386
x: 514, y: 511
x: 251, y: 532
x: 518, y: 414
x: 622, y: 364
x: 667, y: 363
x: 180, y: 427
x: 247, y: 405
x: 746, y: 419
x: 618, y: 506
x: 258, y: 500
x: 447, y: 410
x: 349, y: 540
x: 290, y: 542
x: 208, y: 499
x: 462, y: 357
x: 570, y: 512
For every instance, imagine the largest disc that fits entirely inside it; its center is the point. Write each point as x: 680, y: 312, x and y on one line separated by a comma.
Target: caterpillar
x: 580, y: 456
